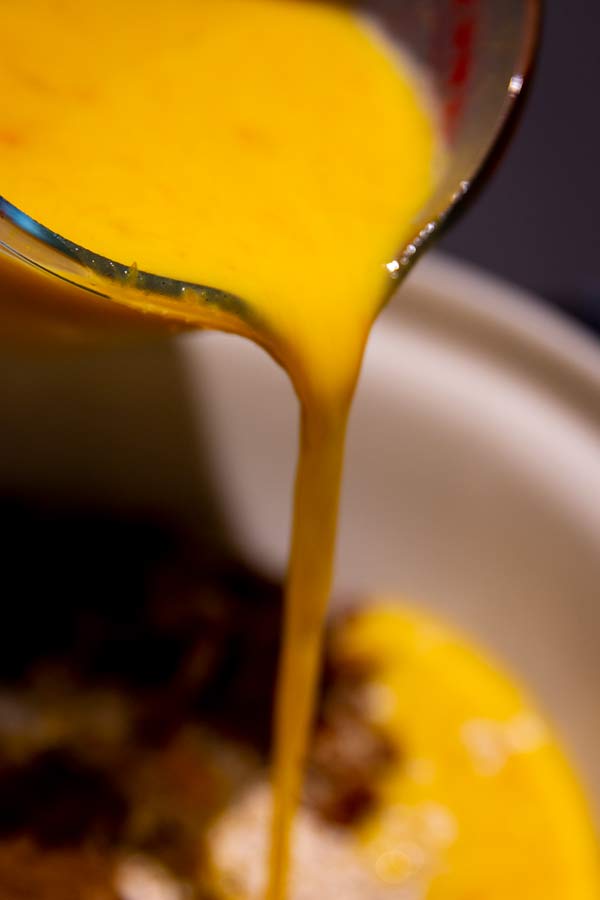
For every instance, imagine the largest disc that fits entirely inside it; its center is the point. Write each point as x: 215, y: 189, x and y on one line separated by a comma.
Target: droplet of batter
x: 399, y: 865
x: 525, y: 733
x: 486, y: 746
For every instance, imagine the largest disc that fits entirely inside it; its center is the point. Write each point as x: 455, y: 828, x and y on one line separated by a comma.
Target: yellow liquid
x: 294, y: 153
x: 476, y: 800
x: 483, y: 802
x: 275, y: 149
x: 265, y: 147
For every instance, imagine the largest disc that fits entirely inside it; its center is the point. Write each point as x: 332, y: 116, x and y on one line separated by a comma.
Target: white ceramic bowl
x: 473, y: 475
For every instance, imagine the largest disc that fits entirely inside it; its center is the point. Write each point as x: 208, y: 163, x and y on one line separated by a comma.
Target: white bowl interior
x: 473, y: 473
x: 472, y: 483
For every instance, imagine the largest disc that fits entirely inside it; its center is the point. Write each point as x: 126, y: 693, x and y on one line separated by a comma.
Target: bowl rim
x: 483, y: 303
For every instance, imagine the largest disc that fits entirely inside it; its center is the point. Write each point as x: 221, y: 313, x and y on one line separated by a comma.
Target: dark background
x: 537, y: 221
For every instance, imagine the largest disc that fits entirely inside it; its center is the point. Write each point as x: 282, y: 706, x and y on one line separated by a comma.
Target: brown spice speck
x: 12, y: 138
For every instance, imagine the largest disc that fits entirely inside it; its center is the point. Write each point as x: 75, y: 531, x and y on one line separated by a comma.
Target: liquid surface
x: 479, y: 800
x: 274, y: 149
x: 484, y: 791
